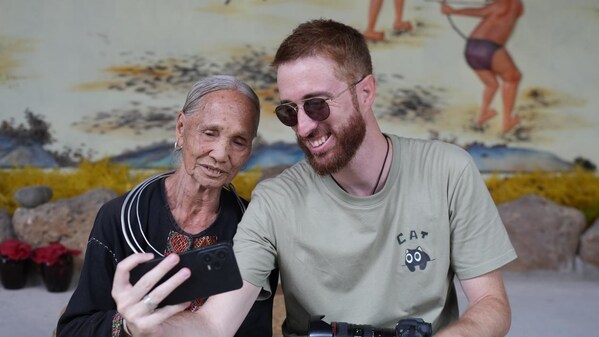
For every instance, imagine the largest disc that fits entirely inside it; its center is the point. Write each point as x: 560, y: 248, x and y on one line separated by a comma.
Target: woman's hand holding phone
x: 137, y: 303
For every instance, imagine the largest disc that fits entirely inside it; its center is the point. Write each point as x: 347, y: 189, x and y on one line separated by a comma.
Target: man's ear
x: 366, y: 91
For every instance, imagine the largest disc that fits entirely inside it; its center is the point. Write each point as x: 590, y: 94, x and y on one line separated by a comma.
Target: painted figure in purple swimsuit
x: 487, y: 55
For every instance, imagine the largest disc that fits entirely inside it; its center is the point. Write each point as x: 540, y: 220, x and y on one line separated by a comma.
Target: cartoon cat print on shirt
x: 416, y: 258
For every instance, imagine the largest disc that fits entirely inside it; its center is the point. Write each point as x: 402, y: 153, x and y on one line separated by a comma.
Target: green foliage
x: 578, y: 189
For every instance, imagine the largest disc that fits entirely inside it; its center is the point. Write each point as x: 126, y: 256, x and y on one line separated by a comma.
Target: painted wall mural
x: 106, y: 78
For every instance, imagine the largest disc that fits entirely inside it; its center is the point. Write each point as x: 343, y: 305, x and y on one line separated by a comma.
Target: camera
x: 409, y: 327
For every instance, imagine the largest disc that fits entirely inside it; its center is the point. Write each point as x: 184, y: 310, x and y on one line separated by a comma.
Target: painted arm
x: 488, y: 313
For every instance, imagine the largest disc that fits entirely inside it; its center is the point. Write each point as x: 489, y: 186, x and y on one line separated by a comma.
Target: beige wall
x: 98, y: 71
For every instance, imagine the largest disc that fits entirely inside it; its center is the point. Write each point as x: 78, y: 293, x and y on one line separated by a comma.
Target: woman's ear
x: 180, y: 128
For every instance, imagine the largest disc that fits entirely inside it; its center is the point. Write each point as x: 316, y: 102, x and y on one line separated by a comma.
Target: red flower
x: 15, y: 250
x: 51, y: 254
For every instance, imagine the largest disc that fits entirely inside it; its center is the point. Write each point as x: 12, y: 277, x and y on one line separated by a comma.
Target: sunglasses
x: 316, y: 108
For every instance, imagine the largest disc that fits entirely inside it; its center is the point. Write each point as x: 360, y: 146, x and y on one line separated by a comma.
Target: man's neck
x: 361, y: 174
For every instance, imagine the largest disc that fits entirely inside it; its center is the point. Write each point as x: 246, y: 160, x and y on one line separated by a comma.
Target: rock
x: 544, y: 234
x: 33, y: 196
x: 68, y: 221
x: 6, y: 230
x: 589, y: 244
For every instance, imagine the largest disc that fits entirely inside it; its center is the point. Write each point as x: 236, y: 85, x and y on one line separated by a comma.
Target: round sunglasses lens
x: 317, y: 109
x: 286, y: 114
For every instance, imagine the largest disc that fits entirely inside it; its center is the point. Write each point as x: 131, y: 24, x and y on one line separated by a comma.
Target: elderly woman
x: 173, y: 212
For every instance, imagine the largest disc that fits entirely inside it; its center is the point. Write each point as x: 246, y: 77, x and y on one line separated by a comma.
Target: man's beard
x: 349, y: 138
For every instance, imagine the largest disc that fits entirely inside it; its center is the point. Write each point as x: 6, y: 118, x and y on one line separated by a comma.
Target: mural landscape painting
x: 106, y: 79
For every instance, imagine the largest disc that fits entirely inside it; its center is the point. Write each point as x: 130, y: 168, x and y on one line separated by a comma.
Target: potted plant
x: 56, y: 265
x: 13, y: 263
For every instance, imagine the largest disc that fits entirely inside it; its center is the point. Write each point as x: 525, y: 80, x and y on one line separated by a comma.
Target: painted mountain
x: 489, y: 159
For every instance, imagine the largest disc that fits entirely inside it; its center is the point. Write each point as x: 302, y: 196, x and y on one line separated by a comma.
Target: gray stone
x: 589, y: 244
x: 544, y: 234
x: 33, y: 196
x: 68, y: 221
x: 6, y: 230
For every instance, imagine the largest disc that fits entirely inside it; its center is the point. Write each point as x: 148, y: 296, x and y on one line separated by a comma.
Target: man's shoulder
x: 300, y: 171
x: 426, y: 146
x: 435, y: 155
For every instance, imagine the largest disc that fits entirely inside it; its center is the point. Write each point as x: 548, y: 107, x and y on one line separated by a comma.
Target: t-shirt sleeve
x: 479, y: 240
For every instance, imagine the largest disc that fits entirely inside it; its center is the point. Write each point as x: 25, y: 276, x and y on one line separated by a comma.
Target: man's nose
x: 305, y: 124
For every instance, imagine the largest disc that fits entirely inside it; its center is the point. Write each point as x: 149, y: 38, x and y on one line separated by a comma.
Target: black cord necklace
x: 378, y: 180
x: 382, y: 167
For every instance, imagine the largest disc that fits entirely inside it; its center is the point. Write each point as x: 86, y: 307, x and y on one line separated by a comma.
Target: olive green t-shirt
x: 376, y: 259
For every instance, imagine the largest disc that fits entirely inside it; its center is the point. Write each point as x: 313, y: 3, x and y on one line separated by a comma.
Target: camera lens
x: 410, y: 327
x: 319, y: 328
x: 343, y: 329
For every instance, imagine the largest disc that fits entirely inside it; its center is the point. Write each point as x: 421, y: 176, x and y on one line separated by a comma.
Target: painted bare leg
x: 404, y: 26
x: 511, y: 77
x: 509, y: 92
x: 373, y: 13
x: 399, y: 24
x: 490, y: 88
x: 509, y: 122
x: 374, y: 35
x: 485, y: 115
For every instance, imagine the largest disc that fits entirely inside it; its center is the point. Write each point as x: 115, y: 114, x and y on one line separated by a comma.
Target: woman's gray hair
x: 220, y: 82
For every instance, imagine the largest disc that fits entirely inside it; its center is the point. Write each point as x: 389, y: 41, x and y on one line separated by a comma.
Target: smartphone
x: 213, y: 268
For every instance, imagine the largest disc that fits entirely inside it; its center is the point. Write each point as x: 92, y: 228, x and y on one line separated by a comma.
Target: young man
x: 370, y: 228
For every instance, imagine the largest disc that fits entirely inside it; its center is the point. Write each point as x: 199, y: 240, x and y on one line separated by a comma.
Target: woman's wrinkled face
x: 217, y: 137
